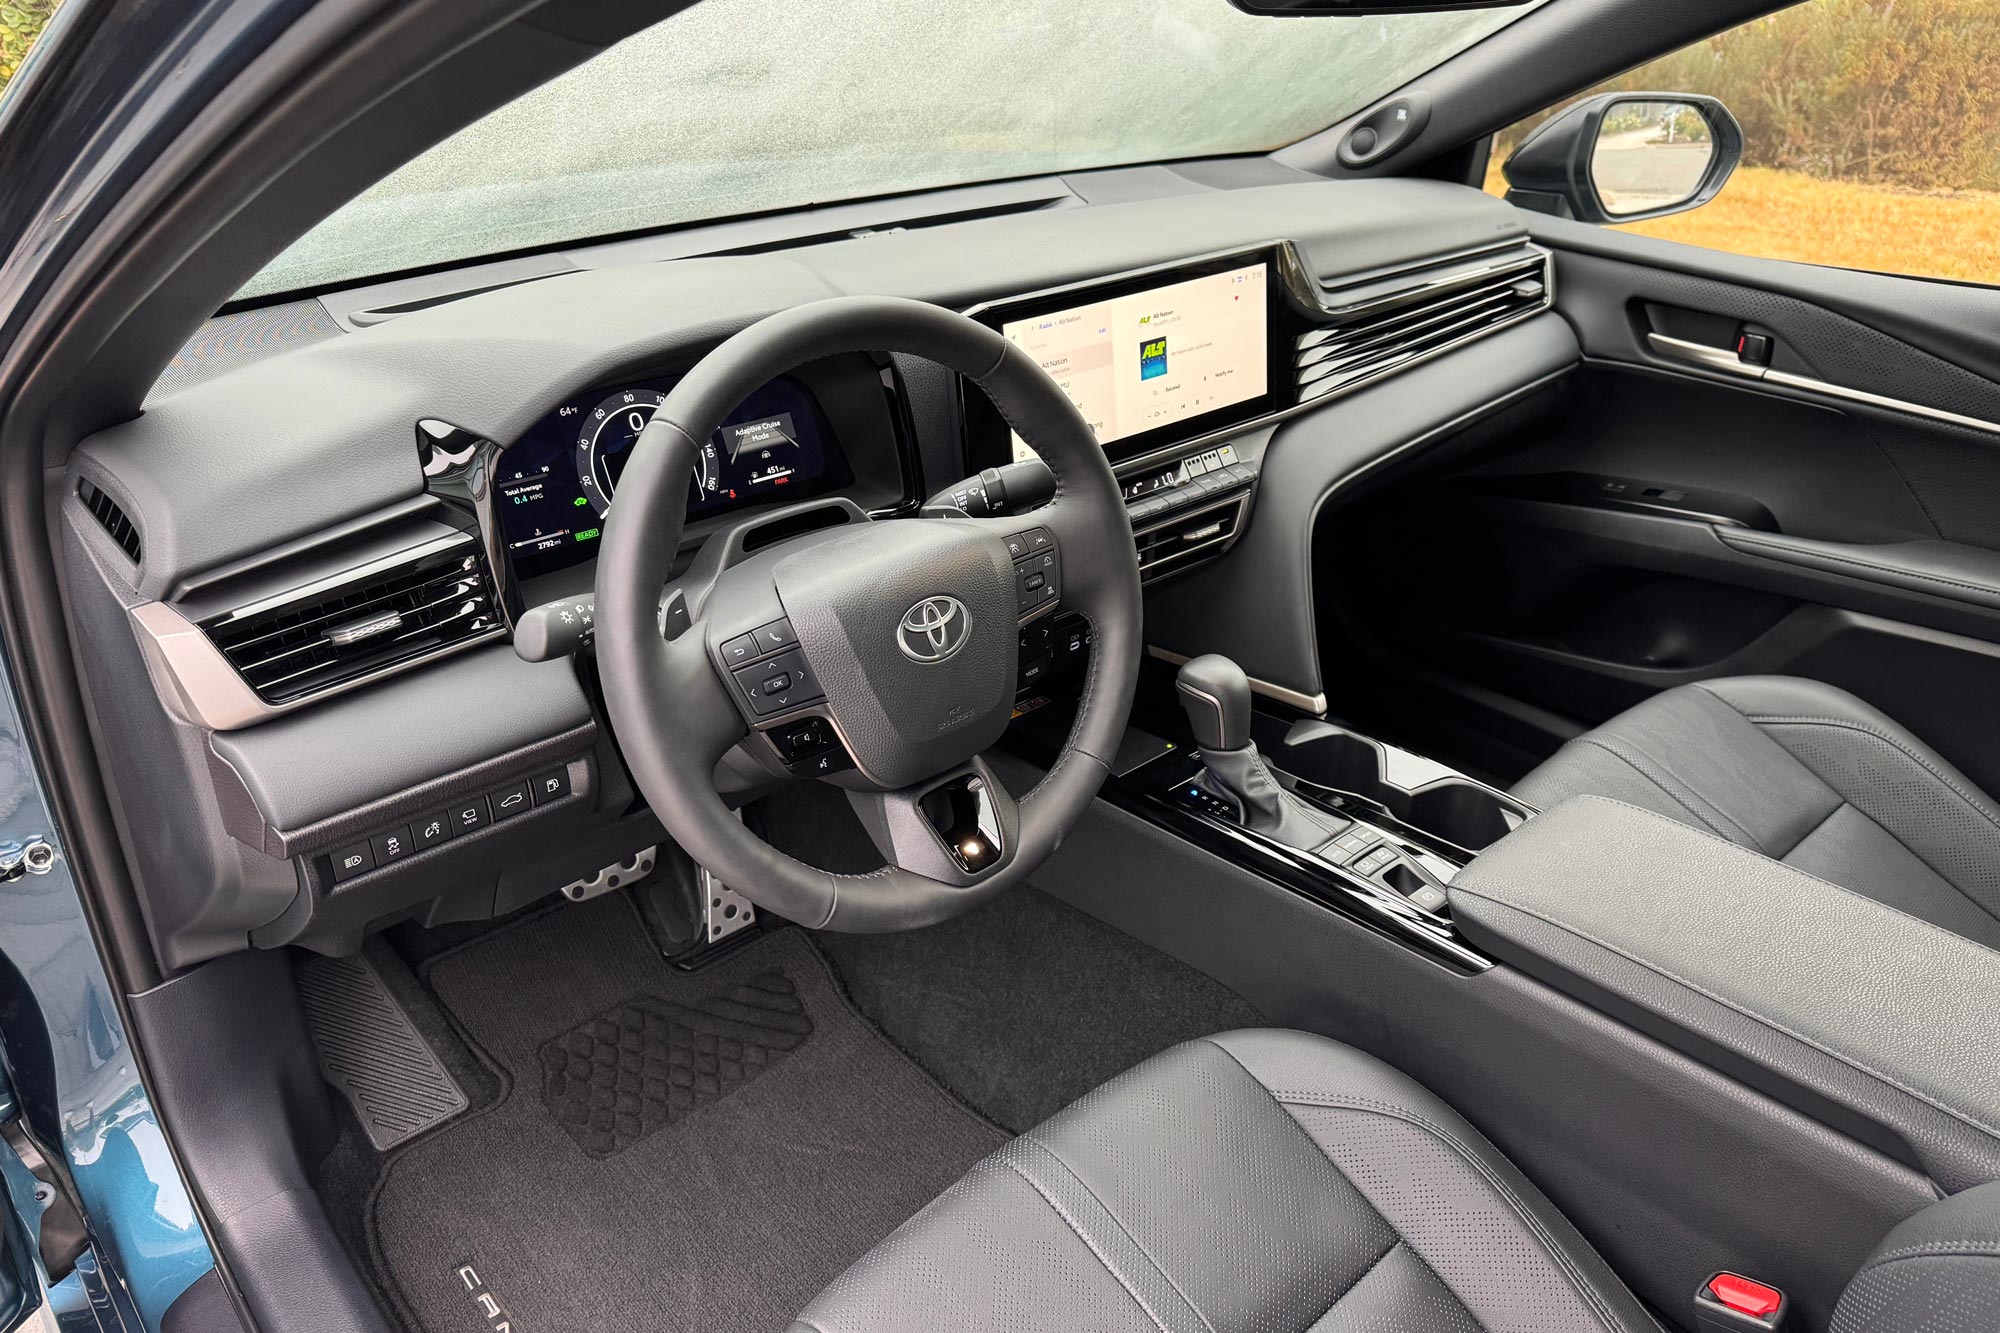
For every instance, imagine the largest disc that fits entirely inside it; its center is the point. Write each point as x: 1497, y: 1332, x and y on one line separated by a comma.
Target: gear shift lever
x: 1216, y: 695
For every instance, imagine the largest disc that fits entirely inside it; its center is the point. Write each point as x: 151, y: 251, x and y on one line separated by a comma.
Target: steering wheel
x: 901, y: 634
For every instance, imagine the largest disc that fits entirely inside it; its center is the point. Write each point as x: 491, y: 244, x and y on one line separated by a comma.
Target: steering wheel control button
x: 513, y: 799
x: 351, y: 861
x: 392, y: 846
x: 1017, y: 546
x: 550, y: 786
x: 1035, y: 578
x: 432, y: 830
x: 770, y: 638
x: 743, y: 648
x: 778, y: 685
x: 1039, y: 539
x: 469, y: 815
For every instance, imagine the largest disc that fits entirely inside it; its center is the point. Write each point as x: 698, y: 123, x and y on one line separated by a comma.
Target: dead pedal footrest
x: 371, y: 1051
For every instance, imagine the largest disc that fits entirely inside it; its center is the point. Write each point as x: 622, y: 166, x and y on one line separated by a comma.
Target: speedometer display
x: 559, y: 480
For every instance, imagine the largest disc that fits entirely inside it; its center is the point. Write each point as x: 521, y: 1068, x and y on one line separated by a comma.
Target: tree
x: 20, y: 22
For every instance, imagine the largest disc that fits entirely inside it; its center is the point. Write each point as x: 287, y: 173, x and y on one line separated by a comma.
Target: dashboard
x: 1207, y: 337
x: 554, y: 485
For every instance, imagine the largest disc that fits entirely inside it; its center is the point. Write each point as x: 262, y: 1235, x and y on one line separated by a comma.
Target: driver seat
x: 1256, y: 1180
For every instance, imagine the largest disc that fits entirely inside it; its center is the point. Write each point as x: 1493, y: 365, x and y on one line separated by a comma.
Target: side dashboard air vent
x: 1388, y: 332
x: 414, y: 604
x: 112, y: 518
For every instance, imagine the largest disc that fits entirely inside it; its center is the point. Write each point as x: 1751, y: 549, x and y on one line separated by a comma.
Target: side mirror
x: 1621, y: 157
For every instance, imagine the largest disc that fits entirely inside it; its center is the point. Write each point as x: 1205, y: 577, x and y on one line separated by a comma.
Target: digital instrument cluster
x: 556, y: 483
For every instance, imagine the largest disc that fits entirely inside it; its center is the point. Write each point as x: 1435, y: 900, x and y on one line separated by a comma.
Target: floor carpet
x: 699, y: 1151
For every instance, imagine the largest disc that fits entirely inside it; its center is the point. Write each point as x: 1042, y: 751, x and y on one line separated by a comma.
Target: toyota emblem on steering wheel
x: 934, y: 629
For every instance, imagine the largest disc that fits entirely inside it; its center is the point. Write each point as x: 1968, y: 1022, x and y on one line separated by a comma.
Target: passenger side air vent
x: 1169, y: 546
x: 414, y: 604
x: 1387, y: 332
x: 112, y: 518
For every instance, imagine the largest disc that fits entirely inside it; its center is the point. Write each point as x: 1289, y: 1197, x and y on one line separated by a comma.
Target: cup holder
x: 1420, y: 793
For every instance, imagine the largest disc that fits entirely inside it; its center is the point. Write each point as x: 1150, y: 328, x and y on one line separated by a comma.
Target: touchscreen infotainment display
x: 1145, y: 360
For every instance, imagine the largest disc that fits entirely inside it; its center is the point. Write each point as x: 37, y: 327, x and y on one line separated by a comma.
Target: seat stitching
x: 1091, y: 1245
x: 1373, y: 1264
x: 1372, y: 1106
x: 1562, y: 1261
x: 1683, y: 801
x: 1806, y: 837
x: 1772, y: 1023
x: 1940, y: 1249
x: 1783, y: 720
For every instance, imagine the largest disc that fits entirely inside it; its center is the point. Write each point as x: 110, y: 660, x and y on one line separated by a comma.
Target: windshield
x: 741, y: 106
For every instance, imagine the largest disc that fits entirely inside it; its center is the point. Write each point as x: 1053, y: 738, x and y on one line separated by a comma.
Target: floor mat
x: 672, y: 1151
x: 1025, y: 1003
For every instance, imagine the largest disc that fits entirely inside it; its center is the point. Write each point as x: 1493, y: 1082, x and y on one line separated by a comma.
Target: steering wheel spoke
x: 957, y: 828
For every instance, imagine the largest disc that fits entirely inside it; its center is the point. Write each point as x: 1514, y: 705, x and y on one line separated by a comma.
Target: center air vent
x: 1186, y: 539
x: 413, y: 604
x: 1391, y: 331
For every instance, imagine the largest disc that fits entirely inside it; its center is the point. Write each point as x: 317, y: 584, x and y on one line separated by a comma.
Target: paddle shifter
x: 1216, y: 695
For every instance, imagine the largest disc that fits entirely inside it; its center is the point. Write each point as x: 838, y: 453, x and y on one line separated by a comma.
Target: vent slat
x: 1396, y: 330
x: 284, y: 649
x: 112, y: 518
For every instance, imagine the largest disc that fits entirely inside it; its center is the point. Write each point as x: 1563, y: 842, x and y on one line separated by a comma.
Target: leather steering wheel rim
x: 674, y: 716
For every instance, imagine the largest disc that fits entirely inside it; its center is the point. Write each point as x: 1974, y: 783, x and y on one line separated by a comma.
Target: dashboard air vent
x: 414, y: 604
x: 1188, y: 539
x: 1388, y: 332
x: 108, y: 513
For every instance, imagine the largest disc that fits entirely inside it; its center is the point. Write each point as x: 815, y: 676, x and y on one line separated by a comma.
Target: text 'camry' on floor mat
x: 798, y: 1138
x: 648, y: 1062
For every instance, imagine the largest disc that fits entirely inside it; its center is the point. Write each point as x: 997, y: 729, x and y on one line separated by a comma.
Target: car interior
x: 1261, y: 741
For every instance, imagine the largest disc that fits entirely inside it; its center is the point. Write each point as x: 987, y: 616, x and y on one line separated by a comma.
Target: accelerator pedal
x: 371, y: 1051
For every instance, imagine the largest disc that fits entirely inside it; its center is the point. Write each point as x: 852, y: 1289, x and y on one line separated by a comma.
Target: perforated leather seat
x: 1258, y: 1180
x: 1275, y: 1182
x: 1806, y: 774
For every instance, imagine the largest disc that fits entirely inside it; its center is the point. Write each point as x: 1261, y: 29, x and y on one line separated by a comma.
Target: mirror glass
x: 1650, y: 155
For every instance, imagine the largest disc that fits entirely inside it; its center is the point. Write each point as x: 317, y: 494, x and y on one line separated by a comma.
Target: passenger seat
x: 1806, y: 774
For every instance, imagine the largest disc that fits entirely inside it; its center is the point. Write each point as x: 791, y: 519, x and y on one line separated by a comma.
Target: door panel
x: 1682, y: 516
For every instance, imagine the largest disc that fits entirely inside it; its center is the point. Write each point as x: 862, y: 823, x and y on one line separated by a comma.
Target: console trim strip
x: 1305, y: 703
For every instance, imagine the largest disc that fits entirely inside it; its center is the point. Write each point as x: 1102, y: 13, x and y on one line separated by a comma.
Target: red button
x: 1744, y: 1296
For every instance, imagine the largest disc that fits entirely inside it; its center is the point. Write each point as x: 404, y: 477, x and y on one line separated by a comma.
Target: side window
x: 1871, y: 136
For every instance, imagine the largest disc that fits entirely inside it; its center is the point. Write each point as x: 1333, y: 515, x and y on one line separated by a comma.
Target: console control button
x: 513, y: 799
x: 550, y: 786
x: 1430, y: 898
x: 469, y: 815
x: 432, y: 829
x: 351, y: 861
x: 1355, y: 840
x: 770, y: 638
x: 392, y: 846
x: 741, y: 649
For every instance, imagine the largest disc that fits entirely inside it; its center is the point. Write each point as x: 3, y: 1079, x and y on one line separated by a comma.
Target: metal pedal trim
x: 724, y: 911
x: 629, y: 871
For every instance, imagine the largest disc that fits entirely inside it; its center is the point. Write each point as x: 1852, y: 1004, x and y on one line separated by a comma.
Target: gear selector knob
x: 1216, y: 695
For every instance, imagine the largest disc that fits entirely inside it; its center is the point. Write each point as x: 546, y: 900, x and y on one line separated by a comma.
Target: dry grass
x: 1788, y: 215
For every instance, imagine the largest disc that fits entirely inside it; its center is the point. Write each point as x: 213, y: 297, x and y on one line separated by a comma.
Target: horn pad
x: 912, y: 627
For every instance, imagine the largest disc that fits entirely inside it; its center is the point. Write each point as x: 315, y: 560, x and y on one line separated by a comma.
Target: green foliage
x: 1899, y: 92
x: 20, y: 21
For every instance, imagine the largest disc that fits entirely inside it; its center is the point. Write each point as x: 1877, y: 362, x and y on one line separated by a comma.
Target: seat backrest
x: 1938, y: 1271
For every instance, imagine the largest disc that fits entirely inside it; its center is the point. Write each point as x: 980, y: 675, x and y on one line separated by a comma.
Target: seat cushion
x: 1258, y: 1180
x: 1806, y: 774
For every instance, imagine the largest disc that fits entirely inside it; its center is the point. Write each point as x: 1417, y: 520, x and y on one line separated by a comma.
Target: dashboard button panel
x: 397, y: 842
